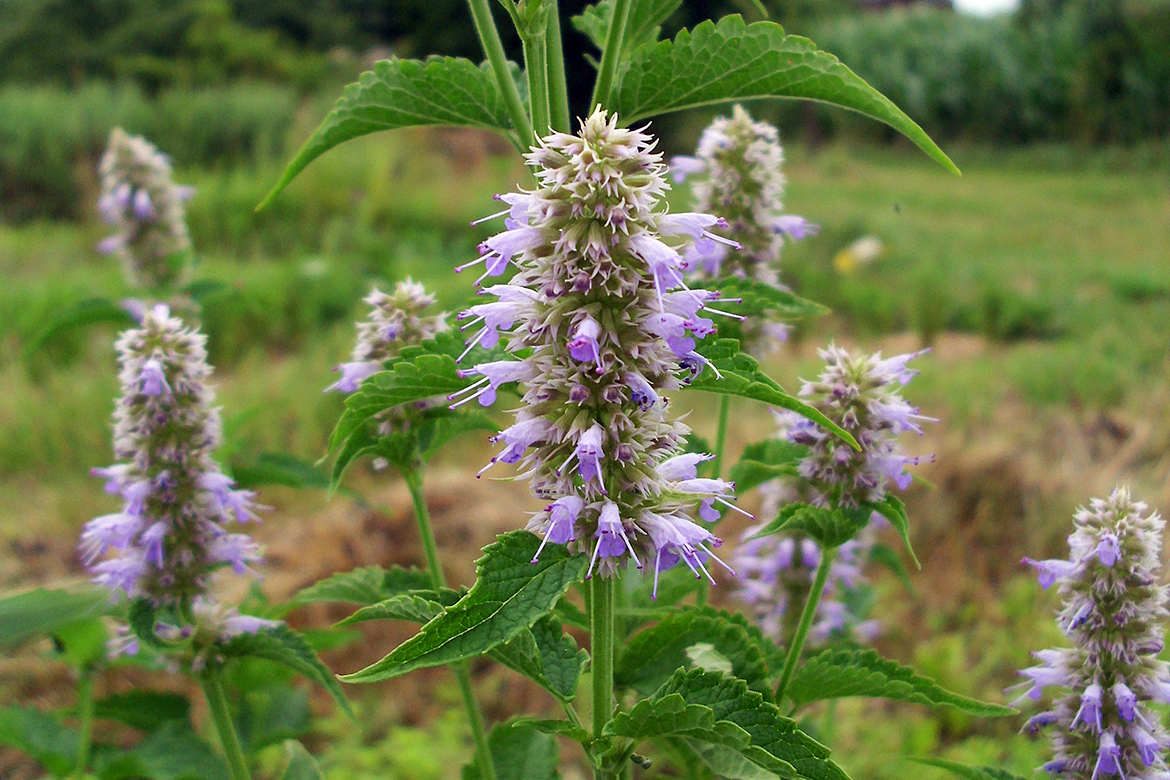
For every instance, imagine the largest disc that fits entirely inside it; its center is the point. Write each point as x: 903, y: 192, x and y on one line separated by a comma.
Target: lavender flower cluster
x: 858, y: 392
x: 737, y: 175
x: 396, y: 320
x: 170, y: 534
x: 145, y: 207
x: 1114, y: 613
x: 600, y: 321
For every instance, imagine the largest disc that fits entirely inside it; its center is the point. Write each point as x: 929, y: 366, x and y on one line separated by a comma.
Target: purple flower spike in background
x: 859, y: 392
x: 593, y: 309
x: 1113, y: 613
x: 171, y: 534
x: 145, y: 208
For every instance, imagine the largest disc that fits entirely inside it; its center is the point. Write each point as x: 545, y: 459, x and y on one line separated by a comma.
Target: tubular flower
x: 395, y: 321
x: 1114, y: 612
x: 145, y: 208
x: 595, y: 310
x: 170, y: 534
x: 858, y: 392
x: 737, y: 175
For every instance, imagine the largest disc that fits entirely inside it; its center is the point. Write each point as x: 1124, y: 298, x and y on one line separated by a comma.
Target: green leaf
x: 143, y: 709
x: 142, y: 618
x: 520, y: 751
x: 892, y: 508
x: 882, y: 555
x: 83, y: 642
x: 286, y: 647
x: 546, y: 655
x: 671, y: 716
x: 437, y: 431
x: 728, y: 60
x: 765, y: 461
x: 274, y: 468
x: 760, y: 299
x: 725, y: 762
x: 643, y: 25
x: 741, y: 376
x: 510, y: 594
x: 830, y: 527
x: 41, y: 736
x: 405, y: 93
x: 651, y: 656
x: 365, y: 586
x: 38, y: 612
x: 731, y: 701
x: 301, y: 765
x: 845, y: 672
x: 173, y: 752
x: 272, y: 713
x: 420, y: 606
x: 967, y: 771
x: 92, y: 311
x: 561, y: 728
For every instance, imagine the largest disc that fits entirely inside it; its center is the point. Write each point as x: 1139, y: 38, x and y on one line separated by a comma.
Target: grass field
x: 1041, y: 280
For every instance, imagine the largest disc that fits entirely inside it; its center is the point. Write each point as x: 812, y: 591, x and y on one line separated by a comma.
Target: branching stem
x: 489, y: 38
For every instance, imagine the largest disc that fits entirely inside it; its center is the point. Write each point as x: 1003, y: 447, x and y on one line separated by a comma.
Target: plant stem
x: 536, y: 66
x: 806, y: 620
x: 229, y: 740
x: 85, y: 737
x: 612, y: 53
x: 483, y: 755
x: 489, y: 38
x: 721, y: 435
x: 558, y: 90
x: 601, y: 636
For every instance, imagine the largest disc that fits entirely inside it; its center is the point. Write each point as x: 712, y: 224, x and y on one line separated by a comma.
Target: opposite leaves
x: 726, y: 61
x: 840, y: 673
x: 405, y: 93
x: 510, y: 594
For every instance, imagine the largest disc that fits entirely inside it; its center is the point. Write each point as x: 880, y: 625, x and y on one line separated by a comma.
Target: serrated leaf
x: 562, y: 728
x: 365, y: 586
x: 845, y: 672
x: 967, y: 771
x: 510, y: 594
x: 144, y: 710
x: 731, y: 700
x: 670, y: 716
x: 92, y: 311
x: 173, y: 752
x: 830, y: 527
x: 546, y: 655
x: 728, y: 60
x: 405, y: 93
x: 740, y: 375
x: 651, y: 656
x: 726, y: 763
x: 764, y: 461
x: 38, y: 612
x: 286, y: 647
x: 40, y: 736
x: 645, y: 20
x: 760, y: 299
x: 892, y: 508
x: 520, y: 751
x: 440, y: 430
x: 421, y: 606
x: 571, y: 615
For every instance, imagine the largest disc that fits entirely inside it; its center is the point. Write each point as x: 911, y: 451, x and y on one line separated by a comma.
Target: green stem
x: 612, y: 53
x: 601, y: 624
x: 85, y: 705
x: 489, y: 38
x: 721, y: 435
x: 536, y: 66
x: 806, y: 621
x: 229, y: 740
x: 558, y: 90
x: 483, y: 755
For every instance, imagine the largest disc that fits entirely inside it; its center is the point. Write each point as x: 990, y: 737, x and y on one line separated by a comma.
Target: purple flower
x: 153, y: 379
x: 1108, y: 756
x: 1090, y: 710
x: 1108, y: 550
x: 589, y: 454
x: 612, y: 540
x: 562, y: 518
x: 1149, y: 749
x: 1051, y: 570
x: 1125, y: 700
x: 518, y: 438
x: 143, y: 208
x: 682, y: 166
x: 796, y: 228
x: 494, y: 374
x: 352, y: 376
x: 584, y: 347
